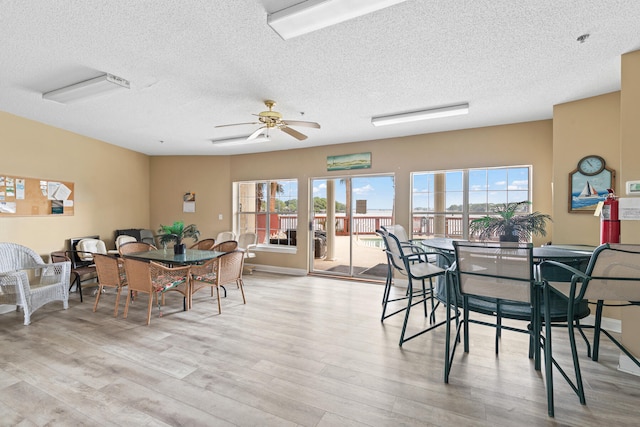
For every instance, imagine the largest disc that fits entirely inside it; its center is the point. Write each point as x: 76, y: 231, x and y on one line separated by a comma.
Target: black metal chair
x: 613, y: 274
x: 501, y: 280
x: 416, y: 264
x: 498, y: 279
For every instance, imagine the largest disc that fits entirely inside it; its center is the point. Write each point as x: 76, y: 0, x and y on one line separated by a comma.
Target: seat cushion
x: 164, y: 283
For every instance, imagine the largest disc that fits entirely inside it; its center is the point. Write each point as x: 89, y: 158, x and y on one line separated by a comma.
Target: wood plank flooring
x: 303, y: 351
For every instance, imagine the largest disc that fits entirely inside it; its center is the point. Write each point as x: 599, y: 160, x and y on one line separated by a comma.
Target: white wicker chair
x: 27, y: 282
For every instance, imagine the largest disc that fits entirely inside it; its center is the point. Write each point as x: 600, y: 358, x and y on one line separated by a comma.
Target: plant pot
x: 509, y: 238
x: 179, y: 249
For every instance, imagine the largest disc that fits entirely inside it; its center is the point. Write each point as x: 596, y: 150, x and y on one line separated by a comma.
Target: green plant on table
x: 177, y: 232
x: 509, y: 224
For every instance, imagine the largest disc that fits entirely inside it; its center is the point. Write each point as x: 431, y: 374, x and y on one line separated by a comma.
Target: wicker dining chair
x: 204, y: 244
x: 155, y: 279
x: 226, y: 246
x: 111, y: 274
x: 131, y: 247
x: 218, y: 272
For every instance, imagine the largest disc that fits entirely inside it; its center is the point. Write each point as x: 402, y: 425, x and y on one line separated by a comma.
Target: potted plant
x: 176, y: 233
x: 508, y: 225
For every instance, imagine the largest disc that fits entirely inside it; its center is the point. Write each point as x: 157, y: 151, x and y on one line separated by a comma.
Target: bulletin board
x: 21, y: 196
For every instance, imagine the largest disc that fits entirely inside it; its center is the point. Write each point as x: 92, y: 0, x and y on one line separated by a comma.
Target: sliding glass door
x: 346, y: 213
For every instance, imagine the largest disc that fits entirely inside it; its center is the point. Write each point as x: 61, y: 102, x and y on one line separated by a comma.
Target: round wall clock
x: 591, y: 165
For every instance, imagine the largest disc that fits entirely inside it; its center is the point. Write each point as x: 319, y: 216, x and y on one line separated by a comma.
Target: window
x: 269, y: 209
x: 444, y: 202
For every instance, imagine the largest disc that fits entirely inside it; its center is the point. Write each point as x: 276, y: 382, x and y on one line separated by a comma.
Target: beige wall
x: 630, y: 170
x: 111, y: 184
x: 580, y: 128
x: 210, y: 177
x: 207, y: 177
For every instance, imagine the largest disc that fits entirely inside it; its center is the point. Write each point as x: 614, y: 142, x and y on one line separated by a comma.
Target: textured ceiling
x: 201, y: 63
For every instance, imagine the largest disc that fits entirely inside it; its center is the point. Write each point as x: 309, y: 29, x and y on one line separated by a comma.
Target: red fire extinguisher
x: 609, y: 222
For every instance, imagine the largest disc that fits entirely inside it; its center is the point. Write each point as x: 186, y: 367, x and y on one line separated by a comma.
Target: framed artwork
x: 349, y: 161
x: 585, y: 191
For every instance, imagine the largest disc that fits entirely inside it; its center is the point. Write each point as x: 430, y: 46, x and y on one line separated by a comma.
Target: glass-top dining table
x: 576, y: 256
x: 167, y: 256
x: 540, y: 253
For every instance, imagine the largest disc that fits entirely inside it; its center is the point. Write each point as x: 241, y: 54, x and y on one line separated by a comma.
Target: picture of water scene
x: 349, y: 161
x: 587, y: 191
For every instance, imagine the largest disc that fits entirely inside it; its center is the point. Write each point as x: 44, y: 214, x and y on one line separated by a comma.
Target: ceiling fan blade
x: 294, y: 133
x: 238, y: 124
x: 299, y: 123
x: 256, y: 133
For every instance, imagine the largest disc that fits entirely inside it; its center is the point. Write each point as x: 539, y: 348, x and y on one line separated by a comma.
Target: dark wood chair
x: 80, y: 271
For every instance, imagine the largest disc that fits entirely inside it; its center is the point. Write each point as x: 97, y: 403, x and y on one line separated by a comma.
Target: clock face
x: 591, y: 165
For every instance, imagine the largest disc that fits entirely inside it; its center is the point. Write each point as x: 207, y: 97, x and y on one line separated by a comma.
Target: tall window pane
x: 268, y: 208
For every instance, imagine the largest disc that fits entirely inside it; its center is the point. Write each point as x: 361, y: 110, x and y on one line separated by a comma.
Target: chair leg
x: 432, y: 319
x: 387, y: 292
x: 498, y: 328
x: 126, y: 305
x: 115, y: 310
x: 241, y: 287
x: 449, y: 352
x: 424, y: 298
x: 218, y: 297
x: 597, y: 327
x: 465, y: 323
x: 95, y: 305
x: 76, y: 281
x: 387, y: 285
x: 406, y: 315
x: 578, y: 387
x: 548, y: 354
x: 150, y: 306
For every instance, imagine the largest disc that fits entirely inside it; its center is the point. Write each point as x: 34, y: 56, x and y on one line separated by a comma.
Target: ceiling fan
x: 273, y: 119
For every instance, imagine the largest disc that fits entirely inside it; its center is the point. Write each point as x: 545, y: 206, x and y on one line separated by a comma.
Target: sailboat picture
x: 587, y: 191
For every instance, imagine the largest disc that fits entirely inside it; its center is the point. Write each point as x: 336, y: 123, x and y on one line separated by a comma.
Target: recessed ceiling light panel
x: 241, y: 140
x: 87, y: 89
x: 312, y: 15
x: 414, y: 116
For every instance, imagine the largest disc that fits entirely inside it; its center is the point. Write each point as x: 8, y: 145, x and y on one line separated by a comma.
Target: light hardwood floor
x: 303, y: 351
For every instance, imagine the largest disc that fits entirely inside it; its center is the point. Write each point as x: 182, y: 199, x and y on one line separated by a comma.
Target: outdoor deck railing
x: 422, y: 225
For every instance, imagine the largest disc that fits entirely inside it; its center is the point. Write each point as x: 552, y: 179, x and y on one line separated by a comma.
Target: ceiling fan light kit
x: 312, y: 15
x: 273, y: 120
x: 87, y: 89
x: 413, y: 116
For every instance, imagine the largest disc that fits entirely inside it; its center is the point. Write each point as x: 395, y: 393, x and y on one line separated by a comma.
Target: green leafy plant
x: 177, y: 232
x: 508, y: 225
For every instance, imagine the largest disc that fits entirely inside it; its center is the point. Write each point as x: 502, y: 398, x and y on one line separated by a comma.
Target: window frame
x: 246, y: 193
x: 428, y: 220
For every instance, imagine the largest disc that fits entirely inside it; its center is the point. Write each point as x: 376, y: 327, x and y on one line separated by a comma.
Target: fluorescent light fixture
x: 413, y: 116
x: 86, y: 89
x: 312, y: 15
x: 241, y: 140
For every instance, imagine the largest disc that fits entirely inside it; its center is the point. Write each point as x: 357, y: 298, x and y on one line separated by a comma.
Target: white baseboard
x: 625, y: 364
x: 611, y: 325
x: 278, y: 270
